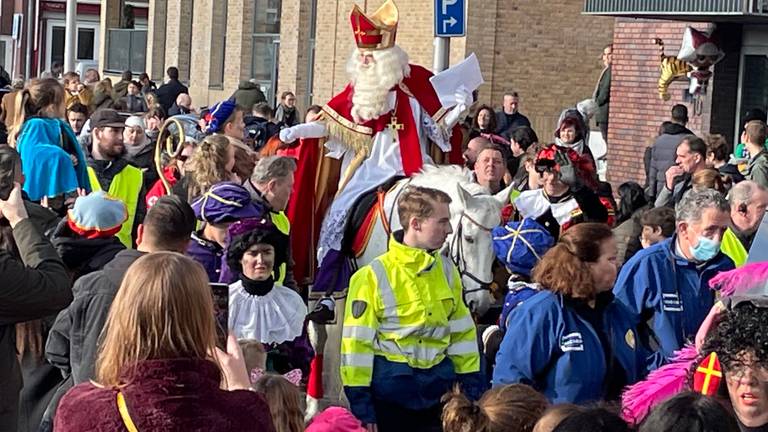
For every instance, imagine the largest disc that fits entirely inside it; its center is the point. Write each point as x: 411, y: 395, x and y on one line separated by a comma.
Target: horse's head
x: 471, y: 245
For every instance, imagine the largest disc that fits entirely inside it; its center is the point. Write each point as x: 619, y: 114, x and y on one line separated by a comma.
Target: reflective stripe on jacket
x: 407, y: 307
x: 125, y: 186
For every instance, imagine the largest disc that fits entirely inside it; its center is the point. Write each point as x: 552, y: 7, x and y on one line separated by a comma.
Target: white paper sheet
x: 466, y: 73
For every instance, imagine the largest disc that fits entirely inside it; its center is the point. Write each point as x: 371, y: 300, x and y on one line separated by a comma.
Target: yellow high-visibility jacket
x: 406, y: 306
x: 732, y: 246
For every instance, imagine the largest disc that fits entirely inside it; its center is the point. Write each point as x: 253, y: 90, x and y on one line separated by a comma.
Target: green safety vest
x: 125, y: 186
x: 281, y: 222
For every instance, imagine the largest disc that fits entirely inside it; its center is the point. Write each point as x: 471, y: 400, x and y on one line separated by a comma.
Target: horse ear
x: 503, y: 196
x: 464, y: 196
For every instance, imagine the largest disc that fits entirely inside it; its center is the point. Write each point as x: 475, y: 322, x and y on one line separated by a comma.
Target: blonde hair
x: 284, y: 402
x: 163, y: 310
x: 514, y: 407
x: 207, y: 166
x: 708, y: 178
x: 43, y: 97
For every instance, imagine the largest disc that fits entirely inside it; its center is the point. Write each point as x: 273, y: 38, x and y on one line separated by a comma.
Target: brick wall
x: 636, y: 111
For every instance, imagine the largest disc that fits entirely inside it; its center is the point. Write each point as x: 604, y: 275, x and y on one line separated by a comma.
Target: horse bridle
x: 457, y: 254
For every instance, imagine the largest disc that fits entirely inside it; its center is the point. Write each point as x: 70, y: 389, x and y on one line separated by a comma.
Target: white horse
x: 474, y: 213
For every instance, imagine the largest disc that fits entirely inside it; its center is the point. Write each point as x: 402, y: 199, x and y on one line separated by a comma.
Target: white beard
x: 373, y: 83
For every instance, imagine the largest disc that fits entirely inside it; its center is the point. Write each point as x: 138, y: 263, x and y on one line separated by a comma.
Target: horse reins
x: 457, y: 254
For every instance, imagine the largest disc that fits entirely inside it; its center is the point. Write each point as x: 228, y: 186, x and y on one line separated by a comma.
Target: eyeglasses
x: 738, y: 371
x: 545, y: 169
x: 182, y: 158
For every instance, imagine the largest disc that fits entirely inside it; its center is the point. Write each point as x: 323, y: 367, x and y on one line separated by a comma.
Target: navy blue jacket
x: 658, y: 285
x: 554, y: 349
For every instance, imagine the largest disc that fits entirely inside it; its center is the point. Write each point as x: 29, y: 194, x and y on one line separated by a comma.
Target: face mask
x: 705, y: 249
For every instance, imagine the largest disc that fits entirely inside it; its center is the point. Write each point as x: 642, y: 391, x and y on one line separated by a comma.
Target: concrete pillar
x: 239, y: 49
x: 178, y: 41
x: 156, y: 29
x: 110, y: 18
x: 295, y: 51
x: 70, y: 38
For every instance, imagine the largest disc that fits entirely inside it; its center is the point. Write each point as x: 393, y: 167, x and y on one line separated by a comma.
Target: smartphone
x: 220, y: 293
x: 7, y: 176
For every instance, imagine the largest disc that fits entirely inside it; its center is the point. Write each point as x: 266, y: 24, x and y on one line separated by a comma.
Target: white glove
x: 305, y: 130
x: 463, y: 98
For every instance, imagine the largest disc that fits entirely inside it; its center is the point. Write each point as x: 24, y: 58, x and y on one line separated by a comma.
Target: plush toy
x: 698, y: 53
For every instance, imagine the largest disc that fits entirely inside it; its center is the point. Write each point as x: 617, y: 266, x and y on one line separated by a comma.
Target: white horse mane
x: 447, y: 176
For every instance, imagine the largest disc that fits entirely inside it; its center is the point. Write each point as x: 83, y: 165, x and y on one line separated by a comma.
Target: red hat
x: 377, y: 31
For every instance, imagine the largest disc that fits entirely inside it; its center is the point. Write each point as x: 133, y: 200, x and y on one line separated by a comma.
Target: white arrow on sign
x: 450, y: 23
x: 447, y: 3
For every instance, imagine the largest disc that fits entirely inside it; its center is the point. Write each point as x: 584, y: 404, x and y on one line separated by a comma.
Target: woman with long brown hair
x: 155, y: 369
x: 571, y: 341
x: 514, y: 407
x: 53, y: 161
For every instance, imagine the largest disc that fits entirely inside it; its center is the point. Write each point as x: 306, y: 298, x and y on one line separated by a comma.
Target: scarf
x: 578, y: 146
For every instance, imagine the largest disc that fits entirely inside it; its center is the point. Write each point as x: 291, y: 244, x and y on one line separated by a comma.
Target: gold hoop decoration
x: 170, y: 149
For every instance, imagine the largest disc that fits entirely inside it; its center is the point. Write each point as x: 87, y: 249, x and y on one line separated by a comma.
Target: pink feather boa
x: 740, y: 280
x: 661, y: 384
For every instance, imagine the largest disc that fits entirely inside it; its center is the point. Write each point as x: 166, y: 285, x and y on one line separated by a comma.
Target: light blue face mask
x: 705, y: 249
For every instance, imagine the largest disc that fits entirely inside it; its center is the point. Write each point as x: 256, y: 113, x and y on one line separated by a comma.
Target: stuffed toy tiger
x: 672, y: 69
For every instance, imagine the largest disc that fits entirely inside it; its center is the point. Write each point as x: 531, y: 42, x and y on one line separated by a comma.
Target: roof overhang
x: 741, y: 11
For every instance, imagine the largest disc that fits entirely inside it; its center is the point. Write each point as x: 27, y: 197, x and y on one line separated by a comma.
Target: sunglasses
x: 182, y: 158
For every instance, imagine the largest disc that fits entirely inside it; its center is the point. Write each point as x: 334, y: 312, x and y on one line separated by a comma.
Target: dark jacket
x: 506, y: 125
x: 177, y: 110
x: 286, y: 116
x: 166, y: 395
x: 247, y: 95
x: 663, y: 156
x: 627, y: 235
x: 148, y: 87
x: 83, y: 255
x: 571, y: 352
x: 72, y: 343
x: 145, y: 161
x: 672, y: 294
x: 134, y: 104
x: 757, y: 170
x: 603, y: 97
x: 168, y: 92
x: 209, y: 254
x: 33, y: 289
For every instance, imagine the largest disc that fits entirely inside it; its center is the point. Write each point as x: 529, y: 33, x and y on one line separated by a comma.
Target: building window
x: 57, y: 45
x: 85, y: 39
x: 266, y: 42
x: 126, y: 50
x: 3, y: 48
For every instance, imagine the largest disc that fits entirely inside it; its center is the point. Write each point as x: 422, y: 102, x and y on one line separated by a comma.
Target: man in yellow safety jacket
x: 270, y: 187
x: 109, y: 171
x: 748, y: 202
x: 408, y: 335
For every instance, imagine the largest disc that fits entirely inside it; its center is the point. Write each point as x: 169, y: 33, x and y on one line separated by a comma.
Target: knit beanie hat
x: 335, y: 419
x: 218, y: 115
x: 520, y: 245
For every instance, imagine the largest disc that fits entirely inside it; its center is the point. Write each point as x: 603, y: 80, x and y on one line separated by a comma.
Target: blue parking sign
x: 450, y: 18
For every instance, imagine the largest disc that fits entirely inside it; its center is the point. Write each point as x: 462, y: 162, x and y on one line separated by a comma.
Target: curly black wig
x: 744, y: 329
x: 268, y: 235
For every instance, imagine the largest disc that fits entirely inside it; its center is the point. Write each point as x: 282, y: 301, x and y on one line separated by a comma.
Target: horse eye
x: 469, y: 239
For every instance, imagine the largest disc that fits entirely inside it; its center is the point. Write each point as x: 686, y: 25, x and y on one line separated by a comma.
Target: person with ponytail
x: 514, y: 407
x: 571, y: 341
x: 52, y: 160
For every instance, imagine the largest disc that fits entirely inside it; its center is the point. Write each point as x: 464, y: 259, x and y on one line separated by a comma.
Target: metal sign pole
x: 442, y: 54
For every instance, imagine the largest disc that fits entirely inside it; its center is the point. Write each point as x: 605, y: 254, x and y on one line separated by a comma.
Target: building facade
x: 303, y: 46
x: 738, y: 84
x: 32, y: 33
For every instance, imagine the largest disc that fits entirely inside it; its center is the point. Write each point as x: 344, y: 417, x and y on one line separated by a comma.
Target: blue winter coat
x: 210, y: 255
x: 552, y: 348
x: 671, y: 291
x: 45, y: 145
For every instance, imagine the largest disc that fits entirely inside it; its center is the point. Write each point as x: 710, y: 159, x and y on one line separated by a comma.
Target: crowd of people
x: 117, y: 231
